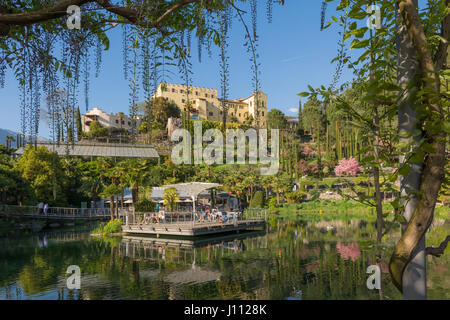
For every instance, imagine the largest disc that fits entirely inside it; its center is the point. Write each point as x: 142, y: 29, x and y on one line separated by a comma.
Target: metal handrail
x: 54, y: 211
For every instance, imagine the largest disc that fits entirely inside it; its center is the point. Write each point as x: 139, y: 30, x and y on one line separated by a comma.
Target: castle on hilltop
x: 206, y: 105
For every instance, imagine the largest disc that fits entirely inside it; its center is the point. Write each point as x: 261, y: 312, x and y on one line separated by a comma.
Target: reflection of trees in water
x: 274, y: 266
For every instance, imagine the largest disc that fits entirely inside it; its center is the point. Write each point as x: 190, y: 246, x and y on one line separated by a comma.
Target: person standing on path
x: 45, y: 208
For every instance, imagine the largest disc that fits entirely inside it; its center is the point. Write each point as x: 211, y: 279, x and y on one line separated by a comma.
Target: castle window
x: 206, y: 95
x: 173, y: 90
x: 239, y: 115
x: 117, y: 121
x: 211, y: 114
x: 183, y: 101
x: 263, y: 113
x: 212, y: 96
x: 129, y: 123
x: 181, y: 91
x: 196, y: 93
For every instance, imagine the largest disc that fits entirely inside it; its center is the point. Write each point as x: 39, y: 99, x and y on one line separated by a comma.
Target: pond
x: 288, y: 260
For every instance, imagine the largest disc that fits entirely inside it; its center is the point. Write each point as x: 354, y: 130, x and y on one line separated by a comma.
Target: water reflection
x: 292, y: 260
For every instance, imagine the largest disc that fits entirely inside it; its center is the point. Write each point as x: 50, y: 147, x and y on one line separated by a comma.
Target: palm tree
x: 170, y: 197
x: 266, y: 182
x: 120, y: 171
x: 94, y: 174
x: 92, y: 185
x: 110, y: 191
x: 281, y: 182
x: 9, y: 139
x: 136, y: 172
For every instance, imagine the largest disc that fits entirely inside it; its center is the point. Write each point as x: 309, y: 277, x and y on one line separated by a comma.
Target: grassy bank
x: 340, y: 209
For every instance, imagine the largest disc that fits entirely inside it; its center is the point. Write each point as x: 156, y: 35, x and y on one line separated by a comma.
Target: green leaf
x: 428, y: 148
x: 356, y: 44
x: 400, y: 218
x: 404, y: 170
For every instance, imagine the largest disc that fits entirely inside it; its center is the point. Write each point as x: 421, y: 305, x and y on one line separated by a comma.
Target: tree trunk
x: 411, y: 245
x: 414, y: 276
x: 117, y: 207
x: 111, y: 207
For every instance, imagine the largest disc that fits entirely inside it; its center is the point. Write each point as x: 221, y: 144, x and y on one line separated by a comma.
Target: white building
x: 108, y: 121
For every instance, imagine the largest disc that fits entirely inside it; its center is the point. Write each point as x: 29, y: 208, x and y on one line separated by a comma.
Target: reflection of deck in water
x: 193, y: 229
x: 192, y: 243
x: 155, y: 249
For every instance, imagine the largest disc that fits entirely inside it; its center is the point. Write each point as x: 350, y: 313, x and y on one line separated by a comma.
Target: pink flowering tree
x: 309, y: 152
x: 348, y: 167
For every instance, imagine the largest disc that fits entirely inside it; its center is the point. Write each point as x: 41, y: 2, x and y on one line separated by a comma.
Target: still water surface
x: 288, y: 260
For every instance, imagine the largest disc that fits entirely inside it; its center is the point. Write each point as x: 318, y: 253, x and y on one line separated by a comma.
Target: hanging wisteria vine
x: 50, y: 60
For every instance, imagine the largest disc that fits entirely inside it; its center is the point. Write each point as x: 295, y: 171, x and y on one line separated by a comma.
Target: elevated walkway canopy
x: 91, y: 149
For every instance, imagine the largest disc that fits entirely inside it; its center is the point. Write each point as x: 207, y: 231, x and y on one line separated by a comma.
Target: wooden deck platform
x: 193, y: 229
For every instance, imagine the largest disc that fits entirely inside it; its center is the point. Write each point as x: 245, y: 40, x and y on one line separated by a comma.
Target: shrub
x: 272, y: 203
x: 295, y: 196
x: 113, y: 226
x: 258, y: 200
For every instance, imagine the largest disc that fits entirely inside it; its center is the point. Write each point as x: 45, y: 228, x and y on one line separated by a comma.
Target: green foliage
x: 110, y: 191
x: 258, y: 200
x: 42, y: 169
x: 158, y: 111
x: 96, y: 130
x: 170, y: 198
x: 145, y: 205
x: 295, y: 196
x: 276, y: 120
x: 272, y: 203
x: 79, y: 125
x: 113, y: 226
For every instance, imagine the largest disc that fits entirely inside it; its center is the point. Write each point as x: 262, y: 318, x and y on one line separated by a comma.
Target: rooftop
x: 99, y: 149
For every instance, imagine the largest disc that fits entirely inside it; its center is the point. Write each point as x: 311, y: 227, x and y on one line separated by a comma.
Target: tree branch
x: 437, y: 252
x: 59, y: 10
x: 27, y: 18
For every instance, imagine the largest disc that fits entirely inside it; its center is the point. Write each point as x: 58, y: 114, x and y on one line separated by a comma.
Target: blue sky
x: 294, y: 53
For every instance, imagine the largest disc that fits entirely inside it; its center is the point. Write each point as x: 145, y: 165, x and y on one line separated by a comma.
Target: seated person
x: 161, y: 217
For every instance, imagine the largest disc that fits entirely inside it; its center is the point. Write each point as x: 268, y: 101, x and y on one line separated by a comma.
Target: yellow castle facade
x: 206, y: 105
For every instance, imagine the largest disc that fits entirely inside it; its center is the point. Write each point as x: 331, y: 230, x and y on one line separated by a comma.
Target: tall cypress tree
x: 79, y: 125
x: 300, y: 128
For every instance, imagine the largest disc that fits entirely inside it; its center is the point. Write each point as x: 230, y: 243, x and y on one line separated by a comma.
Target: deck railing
x: 193, y: 217
x: 54, y: 211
